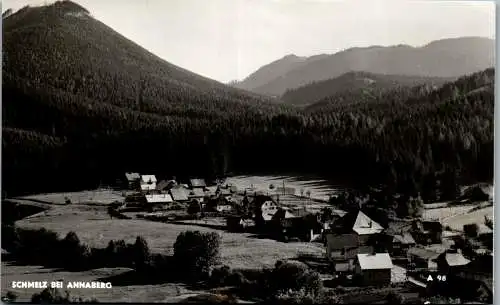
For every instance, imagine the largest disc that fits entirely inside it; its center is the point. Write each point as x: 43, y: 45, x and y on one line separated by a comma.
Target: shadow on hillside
x: 204, y: 225
x: 317, y: 263
x: 41, y: 270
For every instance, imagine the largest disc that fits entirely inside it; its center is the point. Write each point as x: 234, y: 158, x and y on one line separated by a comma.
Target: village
x: 359, y: 252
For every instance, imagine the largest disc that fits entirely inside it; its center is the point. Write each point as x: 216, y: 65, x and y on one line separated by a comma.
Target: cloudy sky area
x: 229, y: 39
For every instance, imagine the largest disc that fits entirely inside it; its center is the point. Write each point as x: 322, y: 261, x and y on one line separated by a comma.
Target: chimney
x: 370, y: 224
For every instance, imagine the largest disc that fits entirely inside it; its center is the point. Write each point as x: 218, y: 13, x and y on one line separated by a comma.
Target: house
x: 373, y: 269
x: 179, y: 193
x: 197, y: 193
x: 165, y: 185
x: 451, y: 261
x: 397, y: 238
x: 359, y: 223
x: 148, y: 183
x: 427, y: 232
x: 341, y: 250
x: 159, y: 199
x: 132, y: 181
x: 197, y: 183
x: 422, y: 259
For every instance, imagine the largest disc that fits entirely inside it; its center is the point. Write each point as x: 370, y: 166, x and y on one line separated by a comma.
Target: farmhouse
x: 373, y: 269
x: 450, y: 261
x: 132, y: 181
x: 148, y: 183
x: 197, y: 193
x: 422, y: 259
x: 365, y: 228
x: 341, y: 251
x: 427, y: 232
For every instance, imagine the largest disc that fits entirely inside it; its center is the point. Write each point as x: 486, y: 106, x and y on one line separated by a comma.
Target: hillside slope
x: 274, y: 70
x: 67, y: 41
x: 443, y: 58
x: 368, y: 83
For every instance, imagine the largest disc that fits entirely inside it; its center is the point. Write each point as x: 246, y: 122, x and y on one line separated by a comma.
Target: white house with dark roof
x: 148, y: 182
x: 373, y: 269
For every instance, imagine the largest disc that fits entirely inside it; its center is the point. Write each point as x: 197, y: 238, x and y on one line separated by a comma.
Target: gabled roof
x: 197, y: 182
x: 179, y: 193
x: 159, y: 198
x: 148, y: 179
x: 132, y: 176
x: 484, y: 229
x: 364, y: 225
x: 368, y: 261
x: 358, y: 222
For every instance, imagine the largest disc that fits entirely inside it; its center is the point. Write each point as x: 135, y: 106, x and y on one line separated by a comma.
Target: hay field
x: 93, y: 226
x: 320, y: 189
x: 457, y: 222
x: 87, y: 197
x: 444, y: 213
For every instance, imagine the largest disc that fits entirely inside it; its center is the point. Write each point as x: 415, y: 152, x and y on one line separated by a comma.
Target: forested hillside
x: 355, y: 82
x: 75, y: 115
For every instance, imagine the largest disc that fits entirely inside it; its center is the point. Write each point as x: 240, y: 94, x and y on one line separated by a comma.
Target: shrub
x: 194, y: 208
x: 196, y: 252
x: 10, y: 297
x: 220, y: 275
x: 296, y: 276
x: 54, y: 296
x: 395, y: 298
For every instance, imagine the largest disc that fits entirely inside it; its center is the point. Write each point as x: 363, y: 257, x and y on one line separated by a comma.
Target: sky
x: 230, y: 39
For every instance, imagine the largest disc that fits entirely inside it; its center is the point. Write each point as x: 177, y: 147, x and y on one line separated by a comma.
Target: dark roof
x: 163, y: 184
x: 197, y: 182
x: 341, y: 241
x: 398, y: 227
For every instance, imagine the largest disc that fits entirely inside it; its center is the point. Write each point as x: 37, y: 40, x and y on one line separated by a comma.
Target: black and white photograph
x: 247, y: 151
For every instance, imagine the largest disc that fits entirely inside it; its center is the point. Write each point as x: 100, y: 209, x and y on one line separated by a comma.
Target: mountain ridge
x: 448, y: 57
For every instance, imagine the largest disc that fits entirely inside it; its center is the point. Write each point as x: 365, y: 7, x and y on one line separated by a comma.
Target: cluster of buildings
x: 361, y: 249
x: 357, y: 247
x: 152, y: 192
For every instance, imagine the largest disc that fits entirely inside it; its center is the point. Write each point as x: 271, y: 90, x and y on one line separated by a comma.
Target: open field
x: 320, y: 189
x: 88, y: 197
x: 93, y: 226
x: 457, y: 222
x: 444, y: 213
